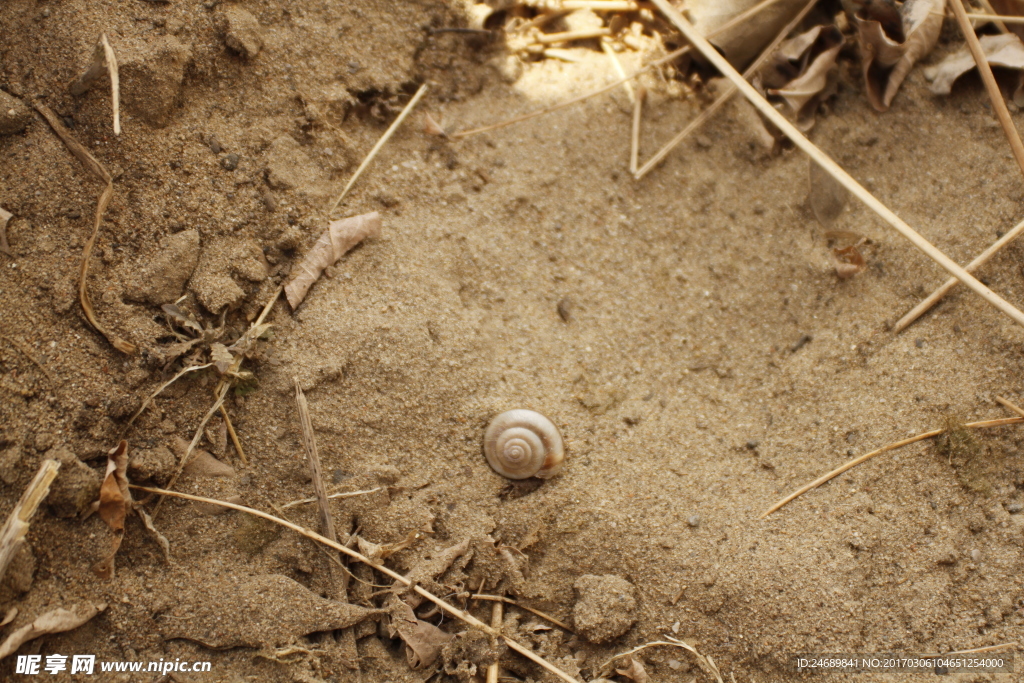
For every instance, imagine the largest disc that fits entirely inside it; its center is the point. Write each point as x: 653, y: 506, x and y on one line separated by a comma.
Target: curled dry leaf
x: 744, y: 41
x: 634, y: 671
x: 4, y: 217
x: 889, y: 49
x: 339, y: 237
x: 848, y: 261
x: 423, y: 641
x: 114, y: 503
x: 221, y: 357
x: 1004, y: 50
x: 55, y: 621
x: 801, y: 72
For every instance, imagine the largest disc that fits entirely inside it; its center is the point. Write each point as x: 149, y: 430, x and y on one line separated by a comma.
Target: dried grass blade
x: 867, y: 456
x: 826, y: 162
x: 115, y: 82
x: 12, y: 536
x: 97, y: 169
x: 380, y: 143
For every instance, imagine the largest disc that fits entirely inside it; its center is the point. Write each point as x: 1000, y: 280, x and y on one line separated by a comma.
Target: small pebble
x: 564, y: 308
x: 693, y: 520
x: 919, y: 343
x: 976, y: 555
x: 1014, y: 508
x: 675, y: 664
x: 215, y: 145
x: 229, y: 162
x: 753, y: 443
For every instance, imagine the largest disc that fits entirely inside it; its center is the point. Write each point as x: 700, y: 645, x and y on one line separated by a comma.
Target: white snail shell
x: 522, y: 443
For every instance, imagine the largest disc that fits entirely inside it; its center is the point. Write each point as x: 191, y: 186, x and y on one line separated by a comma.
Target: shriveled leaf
x: 432, y: 127
x: 221, y: 357
x: 259, y: 611
x: 812, y: 56
x: 634, y: 671
x: 743, y: 42
x: 423, y: 641
x: 181, y: 318
x: 115, y: 496
x: 426, y: 571
x: 374, y: 551
x: 826, y: 195
x: 113, y: 505
x: 4, y: 217
x: 339, y: 237
x: 9, y: 617
x: 848, y: 261
x: 56, y: 621
x: 1004, y: 50
x: 889, y: 49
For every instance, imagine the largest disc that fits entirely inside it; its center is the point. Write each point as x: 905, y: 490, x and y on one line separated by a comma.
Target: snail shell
x: 521, y: 443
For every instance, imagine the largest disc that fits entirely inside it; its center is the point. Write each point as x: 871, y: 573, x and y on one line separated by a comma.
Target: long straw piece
x: 867, y: 456
x: 380, y: 143
x: 726, y: 95
x: 994, y: 94
x: 936, y: 296
x: 828, y: 164
x: 451, y: 609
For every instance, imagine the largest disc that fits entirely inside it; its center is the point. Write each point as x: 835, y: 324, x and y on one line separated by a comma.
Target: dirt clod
x: 14, y: 114
x: 76, y: 487
x: 241, y: 31
x: 161, y: 278
x: 605, y: 607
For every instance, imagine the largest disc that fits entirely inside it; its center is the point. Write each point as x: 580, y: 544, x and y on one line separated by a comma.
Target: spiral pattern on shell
x: 521, y: 443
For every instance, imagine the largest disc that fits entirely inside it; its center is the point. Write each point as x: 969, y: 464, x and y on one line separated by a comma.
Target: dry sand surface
x: 687, y: 334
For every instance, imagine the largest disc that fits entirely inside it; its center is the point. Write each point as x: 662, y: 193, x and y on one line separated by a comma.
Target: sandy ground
x: 706, y: 360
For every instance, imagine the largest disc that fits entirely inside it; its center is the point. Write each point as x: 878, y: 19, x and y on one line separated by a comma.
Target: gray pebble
x: 753, y: 443
x: 229, y: 162
x: 214, y: 145
x: 1014, y: 508
x: 693, y: 520
x: 565, y: 309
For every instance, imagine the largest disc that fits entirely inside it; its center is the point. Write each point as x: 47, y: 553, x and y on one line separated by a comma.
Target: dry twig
x: 936, y: 296
x: 233, y: 435
x: 12, y: 536
x: 380, y: 143
x: 531, y: 610
x: 1012, y: 406
x: 867, y: 456
x: 97, y: 169
x: 826, y: 162
x: 348, y: 494
x: 443, y: 604
x: 634, y: 148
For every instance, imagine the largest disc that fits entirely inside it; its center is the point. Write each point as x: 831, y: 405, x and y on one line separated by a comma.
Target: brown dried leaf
x: 115, y: 498
x: 4, y: 217
x: 423, y: 640
x: 1004, y: 50
x: 848, y: 261
x: 432, y: 127
x: 161, y: 540
x: 634, y: 671
x: 55, y: 621
x: 339, y: 237
x: 888, y: 52
x: 221, y: 357
x: 114, y: 503
x: 744, y: 41
x: 814, y: 54
x: 183, y: 319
